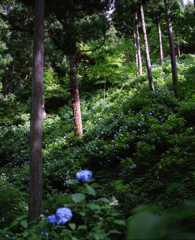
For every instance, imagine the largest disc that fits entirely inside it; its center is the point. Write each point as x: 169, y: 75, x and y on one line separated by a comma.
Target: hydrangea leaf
x: 82, y: 227
x: 82, y: 214
x: 90, y: 190
x: 78, y: 197
x: 113, y: 231
x: 72, y: 181
x: 119, y: 222
x: 72, y: 226
x: 100, y: 235
x: 104, y: 200
x: 93, y: 206
x: 14, y: 223
x: 24, y: 223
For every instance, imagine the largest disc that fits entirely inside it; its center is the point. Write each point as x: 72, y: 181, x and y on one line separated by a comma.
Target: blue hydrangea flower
x: 63, y: 215
x: 51, y: 219
x: 83, y: 175
x: 131, y: 167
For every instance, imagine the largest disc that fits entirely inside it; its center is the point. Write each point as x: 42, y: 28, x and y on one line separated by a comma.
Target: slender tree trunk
x: 178, y: 49
x: 135, y: 46
x: 35, y: 178
x: 151, y: 85
x: 78, y: 129
x: 171, y: 44
x: 160, y: 41
x: 138, y: 46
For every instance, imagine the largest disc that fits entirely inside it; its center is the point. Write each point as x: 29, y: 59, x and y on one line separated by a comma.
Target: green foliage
x: 55, y: 94
x: 171, y: 224
x: 138, y: 144
x: 13, y: 200
x: 94, y: 219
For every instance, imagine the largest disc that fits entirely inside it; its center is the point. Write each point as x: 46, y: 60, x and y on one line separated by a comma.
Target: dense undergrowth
x: 139, y: 145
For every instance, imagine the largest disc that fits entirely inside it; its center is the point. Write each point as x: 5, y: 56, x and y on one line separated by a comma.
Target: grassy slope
x: 139, y: 145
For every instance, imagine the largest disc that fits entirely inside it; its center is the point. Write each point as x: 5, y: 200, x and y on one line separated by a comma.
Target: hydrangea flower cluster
x: 83, y: 175
x: 61, y: 217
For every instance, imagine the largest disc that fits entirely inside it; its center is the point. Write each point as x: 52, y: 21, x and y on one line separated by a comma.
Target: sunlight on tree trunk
x: 135, y: 46
x: 151, y: 85
x: 35, y: 177
x: 171, y: 44
x: 78, y: 129
x: 160, y: 42
x: 138, y: 46
x: 178, y: 49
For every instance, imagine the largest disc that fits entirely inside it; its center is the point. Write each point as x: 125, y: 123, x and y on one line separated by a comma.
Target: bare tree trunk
x: 138, y: 46
x: 171, y: 44
x: 78, y: 129
x: 135, y: 46
x: 35, y: 177
x: 148, y: 64
x: 160, y: 42
x: 178, y: 49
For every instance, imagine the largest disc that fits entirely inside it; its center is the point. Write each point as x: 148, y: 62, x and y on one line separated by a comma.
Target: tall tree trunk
x: 78, y: 129
x: 178, y: 49
x: 148, y: 64
x: 135, y: 46
x: 171, y: 44
x: 35, y: 178
x: 160, y: 42
x: 138, y: 46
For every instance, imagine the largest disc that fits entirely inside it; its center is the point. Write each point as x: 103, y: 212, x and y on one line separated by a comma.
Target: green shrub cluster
x: 139, y: 145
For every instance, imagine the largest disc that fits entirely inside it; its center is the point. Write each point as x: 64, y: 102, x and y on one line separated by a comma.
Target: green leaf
x: 78, y: 197
x: 14, y: 223
x: 90, y: 190
x: 24, y: 223
x: 114, y: 214
x: 104, y: 200
x: 72, y: 226
x: 81, y: 227
x: 113, y: 231
x: 99, y: 236
x: 72, y: 181
x: 82, y: 214
x: 119, y: 222
x: 74, y: 238
x: 146, y: 226
x: 93, y: 206
x: 25, y: 234
x: 65, y: 232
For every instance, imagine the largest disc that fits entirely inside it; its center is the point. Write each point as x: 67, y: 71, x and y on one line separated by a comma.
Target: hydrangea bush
x: 97, y: 219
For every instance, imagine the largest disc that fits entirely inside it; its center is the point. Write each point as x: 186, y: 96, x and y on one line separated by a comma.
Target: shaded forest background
x: 113, y: 103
